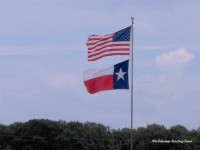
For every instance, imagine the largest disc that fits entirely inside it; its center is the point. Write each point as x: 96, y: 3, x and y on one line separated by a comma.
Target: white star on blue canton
x: 120, y: 74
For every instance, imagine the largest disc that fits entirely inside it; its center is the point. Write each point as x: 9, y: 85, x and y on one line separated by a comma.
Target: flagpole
x: 132, y: 18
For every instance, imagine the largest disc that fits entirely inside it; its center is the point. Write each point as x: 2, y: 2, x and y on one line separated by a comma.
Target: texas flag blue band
x: 120, y: 80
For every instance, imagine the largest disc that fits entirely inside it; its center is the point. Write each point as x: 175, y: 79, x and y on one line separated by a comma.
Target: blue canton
x: 122, y: 35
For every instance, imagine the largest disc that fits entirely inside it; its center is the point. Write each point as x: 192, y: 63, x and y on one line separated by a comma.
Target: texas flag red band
x: 115, y: 77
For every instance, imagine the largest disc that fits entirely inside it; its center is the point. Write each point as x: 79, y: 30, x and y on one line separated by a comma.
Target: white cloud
x: 177, y: 57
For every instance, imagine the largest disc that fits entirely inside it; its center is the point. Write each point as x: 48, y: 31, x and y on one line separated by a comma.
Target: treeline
x: 61, y: 135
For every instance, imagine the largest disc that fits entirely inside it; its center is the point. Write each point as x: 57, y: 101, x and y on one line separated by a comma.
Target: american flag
x: 117, y: 43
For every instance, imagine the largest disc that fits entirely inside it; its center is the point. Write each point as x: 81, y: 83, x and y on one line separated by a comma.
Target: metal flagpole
x: 132, y: 18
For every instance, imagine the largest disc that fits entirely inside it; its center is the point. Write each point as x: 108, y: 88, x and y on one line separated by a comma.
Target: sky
x: 43, y: 55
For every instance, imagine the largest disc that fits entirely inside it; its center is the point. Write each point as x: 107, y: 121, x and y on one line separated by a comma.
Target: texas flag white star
x: 120, y: 74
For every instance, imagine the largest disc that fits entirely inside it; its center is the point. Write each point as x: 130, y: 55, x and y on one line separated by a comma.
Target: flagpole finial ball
x: 132, y: 18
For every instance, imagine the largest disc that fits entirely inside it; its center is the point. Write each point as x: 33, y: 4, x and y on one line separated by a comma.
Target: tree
x: 60, y: 135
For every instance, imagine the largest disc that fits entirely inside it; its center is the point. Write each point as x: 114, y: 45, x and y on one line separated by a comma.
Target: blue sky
x: 43, y: 55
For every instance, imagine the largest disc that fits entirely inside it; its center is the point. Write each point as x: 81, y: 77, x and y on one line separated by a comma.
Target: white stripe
x: 98, y: 42
x: 124, y: 52
x: 91, y: 41
x: 107, y: 48
x: 100, y: 37
x: 94, y: 73
x: 107, y: 44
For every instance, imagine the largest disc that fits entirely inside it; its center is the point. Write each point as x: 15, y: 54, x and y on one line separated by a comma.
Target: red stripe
x: 89, y: 44
x: 108, y: 55
x: 109, y: 50
x: 98, y: 84
x: 110, y: 45
x: 100, y: 44
x: 98, y: 39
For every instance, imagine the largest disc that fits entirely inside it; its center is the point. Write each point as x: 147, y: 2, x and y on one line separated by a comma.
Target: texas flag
x: 115, y: 77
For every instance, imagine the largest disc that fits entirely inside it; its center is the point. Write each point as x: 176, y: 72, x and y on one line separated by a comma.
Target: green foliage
x: 60, y: 135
